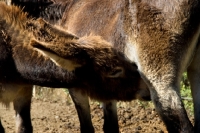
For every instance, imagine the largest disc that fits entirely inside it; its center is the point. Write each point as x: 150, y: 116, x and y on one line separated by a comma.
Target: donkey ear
x: 67, y: 64
x: 54, y: 30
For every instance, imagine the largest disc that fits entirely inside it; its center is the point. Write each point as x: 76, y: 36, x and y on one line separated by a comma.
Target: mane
x: 13, y: 16
x: 54, y: 12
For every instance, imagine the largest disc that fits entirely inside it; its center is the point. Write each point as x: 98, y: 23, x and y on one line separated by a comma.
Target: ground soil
x: 55, y: 113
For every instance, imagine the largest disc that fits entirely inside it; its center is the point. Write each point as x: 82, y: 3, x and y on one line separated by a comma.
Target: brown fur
x: 100, y: 79
x: 93, y: 49
x: 54, y: 11
x: 160, y: 35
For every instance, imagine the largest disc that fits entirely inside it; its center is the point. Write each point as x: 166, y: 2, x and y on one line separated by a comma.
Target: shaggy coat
x: 89, y: 62
x: 20, y: 34
x: 53, y: 13
x: 161, y: 36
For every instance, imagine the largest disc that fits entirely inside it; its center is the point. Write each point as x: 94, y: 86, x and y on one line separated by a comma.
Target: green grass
x: 186, y: 94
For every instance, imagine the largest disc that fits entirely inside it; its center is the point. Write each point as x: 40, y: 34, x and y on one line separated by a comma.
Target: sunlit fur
x: 90, y: 51
x: 161, y: 36
x: 22, y: 65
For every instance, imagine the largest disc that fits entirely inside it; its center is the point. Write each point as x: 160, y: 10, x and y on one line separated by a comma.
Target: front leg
x: 22, y: 104
x: 81, y: 102
x: 194, y: 78
x: 169, y: 106
x: 110, y: 117
x: 163, y: 75
x: 1, y: 128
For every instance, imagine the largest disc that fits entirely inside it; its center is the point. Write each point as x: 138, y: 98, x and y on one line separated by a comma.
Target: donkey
x: 89, y: 64
x: 161, y: 36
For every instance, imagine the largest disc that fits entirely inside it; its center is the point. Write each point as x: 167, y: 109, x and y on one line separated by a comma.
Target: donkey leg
x: 110, y: 117
x: 1, y: 128
x: 165, y: 94
x: 22, y: 104
x: 81, y: 102
x: 194, y: 78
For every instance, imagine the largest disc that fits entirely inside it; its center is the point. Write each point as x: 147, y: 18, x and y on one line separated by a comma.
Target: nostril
x: 134, y: 65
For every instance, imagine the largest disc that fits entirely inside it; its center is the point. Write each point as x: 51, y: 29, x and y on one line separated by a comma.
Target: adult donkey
x: 161, y: 36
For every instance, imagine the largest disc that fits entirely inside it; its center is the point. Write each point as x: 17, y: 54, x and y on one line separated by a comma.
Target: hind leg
x: 22, y: 105
x: 194, y: 78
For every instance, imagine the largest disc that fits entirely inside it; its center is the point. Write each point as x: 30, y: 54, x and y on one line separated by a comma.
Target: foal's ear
x: 69, y: 64
x: 55, y: 30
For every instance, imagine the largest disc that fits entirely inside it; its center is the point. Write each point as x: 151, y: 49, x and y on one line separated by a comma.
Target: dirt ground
x: 55, y: 113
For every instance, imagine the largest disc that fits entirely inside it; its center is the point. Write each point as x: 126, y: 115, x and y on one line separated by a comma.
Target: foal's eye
x: 116, y: 71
